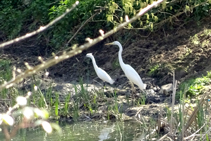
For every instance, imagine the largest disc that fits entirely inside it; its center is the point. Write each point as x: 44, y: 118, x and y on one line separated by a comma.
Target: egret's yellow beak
x: 109, y: 44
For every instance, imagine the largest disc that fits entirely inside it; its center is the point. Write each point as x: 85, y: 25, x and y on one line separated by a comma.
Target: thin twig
x: 173, y: 102
x: 206, y: 133
x: 163, y: 137
x: 194, y: 133
x: 153, y: 132
x: 182, y: 124
x: 66, y: 55
x: 81, y: 27
x: 41, y: 29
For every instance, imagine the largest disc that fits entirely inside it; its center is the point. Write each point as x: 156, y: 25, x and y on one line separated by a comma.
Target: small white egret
x: 130, y: 73
x: 100, y: 72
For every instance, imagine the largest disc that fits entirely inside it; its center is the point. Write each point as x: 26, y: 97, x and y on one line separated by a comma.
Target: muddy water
x: 87, y: 131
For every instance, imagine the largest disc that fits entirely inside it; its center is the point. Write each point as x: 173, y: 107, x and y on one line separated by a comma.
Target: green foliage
x: 20, y: 17
x: 12, y: 18
x: 66, y: 28
x: 195, y: 86
x: 66, y: 105
x: 5, y: 70
x: 164, y: 14
x: 159, y: 69
x: 57, y: 105
x: 154, y: 70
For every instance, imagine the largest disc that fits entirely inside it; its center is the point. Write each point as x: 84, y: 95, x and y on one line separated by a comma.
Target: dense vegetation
x: 21, y: 16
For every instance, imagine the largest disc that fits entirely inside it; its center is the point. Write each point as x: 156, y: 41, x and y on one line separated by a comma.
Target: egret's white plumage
x: 130, y: 73
x: 100, y: 72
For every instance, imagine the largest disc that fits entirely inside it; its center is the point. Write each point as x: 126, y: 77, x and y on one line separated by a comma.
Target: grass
x: 66, y: 105
x: 57, y: 105
x: 190, y: 120
x: 5, y: 70
x: 6, y: 75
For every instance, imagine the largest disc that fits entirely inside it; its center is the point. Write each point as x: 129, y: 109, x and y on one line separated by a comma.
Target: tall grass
x: 189, y: 122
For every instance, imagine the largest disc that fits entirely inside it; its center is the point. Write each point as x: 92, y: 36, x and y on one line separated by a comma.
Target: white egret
x: 100, y: 72
x: 130, y: 72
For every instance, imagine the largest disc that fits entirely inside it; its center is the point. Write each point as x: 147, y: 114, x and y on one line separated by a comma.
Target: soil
x: 168, y: 49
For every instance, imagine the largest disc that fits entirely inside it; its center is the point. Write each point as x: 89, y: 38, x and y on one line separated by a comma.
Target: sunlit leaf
x: 152, y: 14
x: 56, y: 127
x: 155, y: 18
x: 121, y: 19
x: 22, y: 101
x: 151, y: 26
x: 28, y: 112
x: 164, y: 4
x: 134, y: 12
x: 187, y: 8
x: 7, y: 119
x: 147, y: 16
x: 47, y: 127
x: 141, y: 23
x: 41, y: 113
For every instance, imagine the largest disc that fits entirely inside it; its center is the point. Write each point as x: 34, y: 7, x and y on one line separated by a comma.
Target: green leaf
x: 164, y: 5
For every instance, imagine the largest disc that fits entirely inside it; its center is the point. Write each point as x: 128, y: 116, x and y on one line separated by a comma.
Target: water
x: 86, y: 131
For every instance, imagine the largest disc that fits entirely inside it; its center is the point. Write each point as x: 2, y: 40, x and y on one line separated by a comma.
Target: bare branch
x: 81, y: 27
x: 41, y: 29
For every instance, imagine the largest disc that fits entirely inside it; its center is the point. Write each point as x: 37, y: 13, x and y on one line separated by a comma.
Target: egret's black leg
x: 103, y: 87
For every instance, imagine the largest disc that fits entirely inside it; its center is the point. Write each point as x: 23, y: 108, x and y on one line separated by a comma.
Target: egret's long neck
x: 120, y: 56
x: 93, y: 62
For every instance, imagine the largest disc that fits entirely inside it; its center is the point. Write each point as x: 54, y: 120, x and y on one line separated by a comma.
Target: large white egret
x: 100, y: 72
x: 130, y: 72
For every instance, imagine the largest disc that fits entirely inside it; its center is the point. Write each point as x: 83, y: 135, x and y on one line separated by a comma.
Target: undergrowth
x: 195, y: 86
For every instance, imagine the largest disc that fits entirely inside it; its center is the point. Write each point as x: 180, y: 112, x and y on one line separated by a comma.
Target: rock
x: 150, y: 92
x: 156, y: 89
x: 166, y: 89
x: 153, y: 97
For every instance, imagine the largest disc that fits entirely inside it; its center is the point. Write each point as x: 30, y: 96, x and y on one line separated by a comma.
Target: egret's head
x: 113, y: 43
x: 89, y: 55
